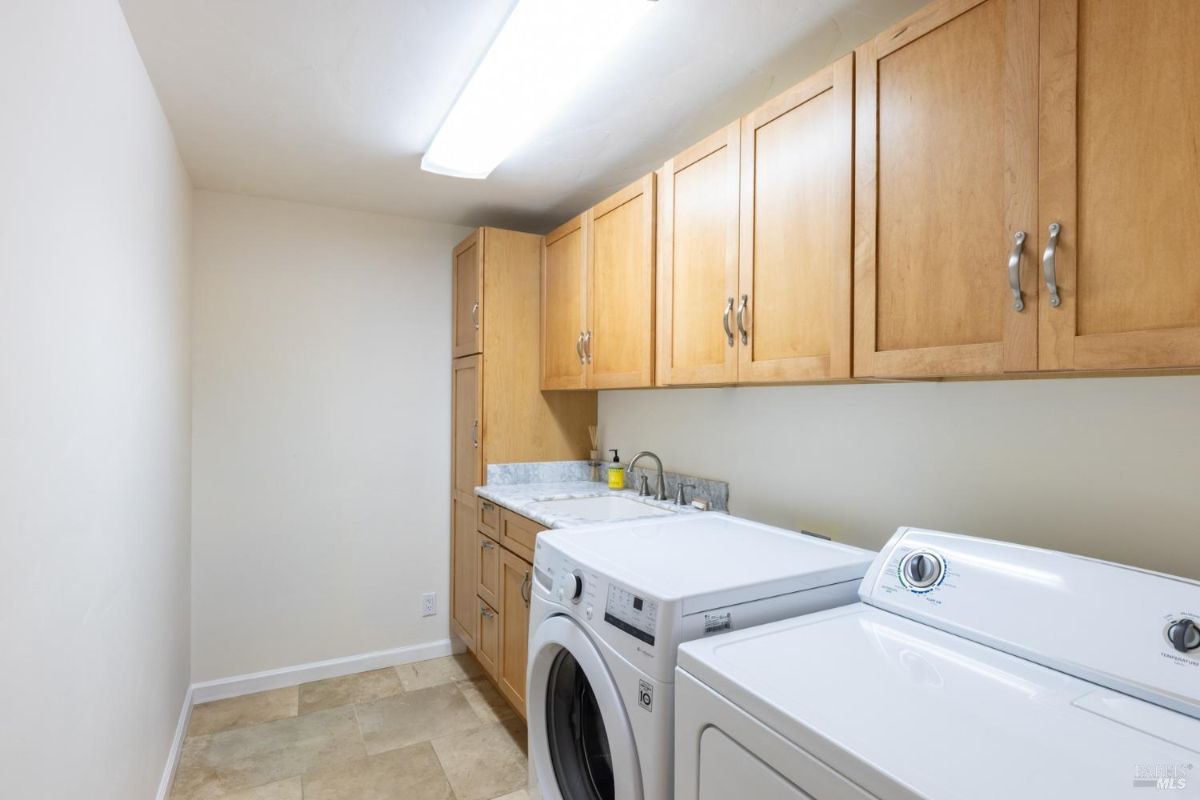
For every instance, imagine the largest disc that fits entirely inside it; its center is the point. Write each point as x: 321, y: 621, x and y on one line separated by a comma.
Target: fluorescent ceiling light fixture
x: 537, y: 61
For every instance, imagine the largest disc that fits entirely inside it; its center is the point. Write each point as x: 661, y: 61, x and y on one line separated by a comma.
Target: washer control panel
x: 632, y: 613
x: 921, y: 570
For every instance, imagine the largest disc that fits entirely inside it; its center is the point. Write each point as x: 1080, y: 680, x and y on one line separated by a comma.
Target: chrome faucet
x: 660, y: 492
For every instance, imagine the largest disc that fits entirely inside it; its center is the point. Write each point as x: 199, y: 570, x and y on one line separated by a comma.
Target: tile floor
x: 434, y: 730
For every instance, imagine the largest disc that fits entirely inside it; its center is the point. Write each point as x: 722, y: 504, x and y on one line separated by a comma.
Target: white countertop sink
x: 600, y: 509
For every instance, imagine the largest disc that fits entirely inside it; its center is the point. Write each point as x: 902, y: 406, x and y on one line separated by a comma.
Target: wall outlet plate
x: 429, y: 604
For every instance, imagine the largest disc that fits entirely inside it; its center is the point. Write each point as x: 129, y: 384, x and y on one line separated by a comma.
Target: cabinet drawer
x: 488, y: 562
x: 489, y: 518
x: 487, y: 648
x: 518, y: 533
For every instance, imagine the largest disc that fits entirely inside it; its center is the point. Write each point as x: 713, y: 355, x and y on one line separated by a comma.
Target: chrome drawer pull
x: 741, y: 319
x: 486, y: 612
x: 725, y: 320
x: 1014, y: 270
x: 1048, y: 264
x: 475, y: 314
x: 579, y: 347
x: 487, y: 545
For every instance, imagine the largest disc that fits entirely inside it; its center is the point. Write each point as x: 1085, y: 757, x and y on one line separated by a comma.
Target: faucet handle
x: 680, y: 497
x: 644, y: 486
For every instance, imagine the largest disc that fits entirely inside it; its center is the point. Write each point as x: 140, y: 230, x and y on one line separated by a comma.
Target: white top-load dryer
x: 611, y: 603
x: 972, y: 670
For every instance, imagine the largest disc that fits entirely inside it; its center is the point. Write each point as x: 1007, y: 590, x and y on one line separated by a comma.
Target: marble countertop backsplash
x: 521, y: 487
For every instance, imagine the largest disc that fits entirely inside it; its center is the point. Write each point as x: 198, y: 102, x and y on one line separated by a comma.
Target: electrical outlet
x: 429, y: 604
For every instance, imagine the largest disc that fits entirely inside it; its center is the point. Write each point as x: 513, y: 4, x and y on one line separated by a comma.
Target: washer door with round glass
x: 580, y: 740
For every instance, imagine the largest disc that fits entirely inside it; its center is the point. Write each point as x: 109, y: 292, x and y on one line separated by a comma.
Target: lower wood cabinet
x: 487, y: 559
x: 463, y: 566
x: 487, y: 639
x: 516, y: 577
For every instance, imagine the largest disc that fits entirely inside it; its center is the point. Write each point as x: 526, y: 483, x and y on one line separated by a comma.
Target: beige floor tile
x: 413, y: 717
x: 360, y: 688
x: 486, y: 700
x: 223, y: 763
x: 289, y: 789
x: 237, y: 712
x: 485, y: 763
x: 519, y: 794
x: 423, y: 674
x: 410, y: 773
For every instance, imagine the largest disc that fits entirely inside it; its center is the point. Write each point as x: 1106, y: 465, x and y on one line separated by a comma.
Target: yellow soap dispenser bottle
x: 616, y: 472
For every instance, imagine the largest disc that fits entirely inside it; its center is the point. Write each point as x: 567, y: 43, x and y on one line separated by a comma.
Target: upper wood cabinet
x: 564, y: 306
x: 756, y: 244
x: 946, y: 181
x: 598, y: 295
x: 619, y: 340
x: 1119, y: 171
x: 793, y: 312
x: 698, y: 262
x: 468, y: 296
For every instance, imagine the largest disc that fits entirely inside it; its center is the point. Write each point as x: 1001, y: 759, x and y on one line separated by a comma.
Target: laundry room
x: 599, y: 399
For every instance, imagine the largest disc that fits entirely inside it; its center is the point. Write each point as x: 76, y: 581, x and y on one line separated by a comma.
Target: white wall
x: 321, y: 425
x: 1104, y: 467
x: 94, y: 410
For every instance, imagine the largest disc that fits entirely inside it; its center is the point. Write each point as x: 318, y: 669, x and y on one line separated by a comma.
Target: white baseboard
x: 239, y: 685
x: 168, y: 776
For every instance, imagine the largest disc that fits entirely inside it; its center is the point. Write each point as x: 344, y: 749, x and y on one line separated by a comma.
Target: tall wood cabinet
x: 499, y: 413
x: 598, y: 295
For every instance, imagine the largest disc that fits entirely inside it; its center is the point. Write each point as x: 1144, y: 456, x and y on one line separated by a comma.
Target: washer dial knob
x: 575, y: 586
x: 1184, y: 635
x: 921, y: 569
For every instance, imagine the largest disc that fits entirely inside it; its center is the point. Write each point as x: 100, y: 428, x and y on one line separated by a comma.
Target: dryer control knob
x: 922, y: 570
x: 1184, y: 635
x: 575, y: 585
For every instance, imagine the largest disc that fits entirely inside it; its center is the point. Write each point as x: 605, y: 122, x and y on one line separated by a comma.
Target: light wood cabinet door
x: 487, y: 648
x: 1119, y: 172
x: 946, y: 177
x: 793, y: 315
x: 487, y: 567
x: 466, y: 433
x: 464, y: 604
x: 468, y: 296
x: 619, y: 338
x: 697, y: 269
x: 516, y: 576
x: 564, y: 306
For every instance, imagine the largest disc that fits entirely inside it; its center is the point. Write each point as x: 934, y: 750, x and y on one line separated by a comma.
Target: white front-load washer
x: 611, y: 604
x: 972, y: 670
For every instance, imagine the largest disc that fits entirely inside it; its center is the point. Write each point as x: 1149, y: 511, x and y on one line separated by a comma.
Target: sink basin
x: 602, y: 509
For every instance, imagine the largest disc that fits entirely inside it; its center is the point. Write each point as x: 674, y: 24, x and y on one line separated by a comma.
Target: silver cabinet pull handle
x: 1048, y: 264
x: 1014, y: 270
x: 725, y: 321
x: 587, y: 346
x: 579, y: 347
x: 488, y: 506
x: 475, y: 314
x: 486, y: 612
x: 526, y: 588
x: 741, y: 319
x: 475, y: 434
x: 487, y: 545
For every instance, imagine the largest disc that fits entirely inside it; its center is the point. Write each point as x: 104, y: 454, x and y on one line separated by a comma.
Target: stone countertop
x: 522, y: 497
